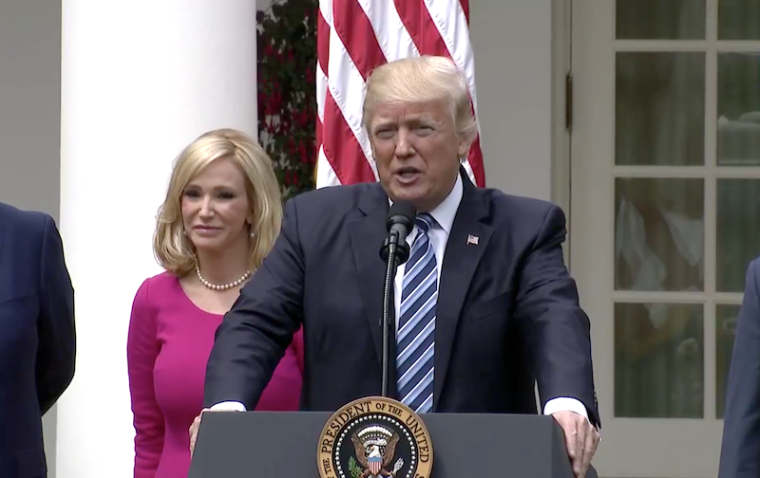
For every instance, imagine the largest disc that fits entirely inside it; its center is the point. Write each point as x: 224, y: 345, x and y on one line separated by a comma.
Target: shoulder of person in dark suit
x: 535, y: 215
x: 740, y: 450
x: 529, y: 215
x: 54, y: 368
x: 343, y: 202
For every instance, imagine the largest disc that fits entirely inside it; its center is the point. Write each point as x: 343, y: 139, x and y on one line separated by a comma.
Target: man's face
x: 417, y: 151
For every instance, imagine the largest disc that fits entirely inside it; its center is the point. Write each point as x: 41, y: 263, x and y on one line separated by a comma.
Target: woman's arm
x: 142, y: 349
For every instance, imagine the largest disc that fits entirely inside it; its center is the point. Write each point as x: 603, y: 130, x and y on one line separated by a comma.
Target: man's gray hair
x: 418, y: 80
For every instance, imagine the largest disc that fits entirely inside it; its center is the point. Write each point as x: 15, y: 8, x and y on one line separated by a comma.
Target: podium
x: 285, y: 444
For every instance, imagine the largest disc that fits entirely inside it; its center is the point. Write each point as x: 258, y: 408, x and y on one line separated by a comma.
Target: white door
x: 665, y: 217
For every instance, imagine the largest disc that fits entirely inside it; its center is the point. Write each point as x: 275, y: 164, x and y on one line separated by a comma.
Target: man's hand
x: 219, y: 407
x: 194, y: 430
x: 581, y: 438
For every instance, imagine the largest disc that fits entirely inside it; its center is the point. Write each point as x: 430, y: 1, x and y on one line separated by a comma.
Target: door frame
x: 562, y: 113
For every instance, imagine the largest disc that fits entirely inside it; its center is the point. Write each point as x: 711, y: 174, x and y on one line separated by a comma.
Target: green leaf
x: 354, y: 469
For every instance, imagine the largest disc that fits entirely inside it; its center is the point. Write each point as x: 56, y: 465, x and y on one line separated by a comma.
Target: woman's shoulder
x: 163, y: 280
x: 160, y: 285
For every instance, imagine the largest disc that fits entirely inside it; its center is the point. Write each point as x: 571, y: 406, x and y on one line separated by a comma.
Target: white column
x: 140, y: 80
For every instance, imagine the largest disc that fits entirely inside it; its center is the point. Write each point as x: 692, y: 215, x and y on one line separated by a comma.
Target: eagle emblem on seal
x: 375, y: 447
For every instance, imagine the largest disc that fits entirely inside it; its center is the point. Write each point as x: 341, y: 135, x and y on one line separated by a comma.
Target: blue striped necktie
x: 416, y: 332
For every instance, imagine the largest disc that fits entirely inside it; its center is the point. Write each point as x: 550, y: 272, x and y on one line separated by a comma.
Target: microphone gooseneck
x: 395, y: 251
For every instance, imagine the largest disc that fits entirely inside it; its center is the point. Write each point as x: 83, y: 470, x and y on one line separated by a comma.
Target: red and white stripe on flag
x: 356, y: 36
x: 374, y: 466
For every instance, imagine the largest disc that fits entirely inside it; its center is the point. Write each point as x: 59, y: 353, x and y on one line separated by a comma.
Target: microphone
x: 395, y: 251
x: 399, y: 223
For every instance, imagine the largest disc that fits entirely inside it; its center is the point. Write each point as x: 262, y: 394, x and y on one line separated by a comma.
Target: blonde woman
x: 220, y: 219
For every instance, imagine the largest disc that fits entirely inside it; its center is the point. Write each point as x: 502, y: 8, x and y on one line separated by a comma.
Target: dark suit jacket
x: 740, y: 451
x: 37, y: 338
x: 507, y: 310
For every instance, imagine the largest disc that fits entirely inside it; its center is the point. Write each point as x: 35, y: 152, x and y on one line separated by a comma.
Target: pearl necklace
x: 224, y: 286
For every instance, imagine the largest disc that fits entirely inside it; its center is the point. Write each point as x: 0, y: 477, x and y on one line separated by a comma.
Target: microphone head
x: 401, y: 212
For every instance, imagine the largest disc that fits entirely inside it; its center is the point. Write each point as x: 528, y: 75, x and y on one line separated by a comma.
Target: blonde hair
x: 171, y: 247
x: 421, y: 79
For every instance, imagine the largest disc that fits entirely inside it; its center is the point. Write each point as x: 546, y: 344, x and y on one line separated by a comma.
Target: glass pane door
x: 665, y: 202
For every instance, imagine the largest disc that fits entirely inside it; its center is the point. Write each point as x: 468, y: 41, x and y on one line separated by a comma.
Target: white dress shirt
x: 439, y: 235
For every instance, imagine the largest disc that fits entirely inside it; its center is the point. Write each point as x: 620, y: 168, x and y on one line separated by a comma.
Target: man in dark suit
x: 507, y: 313
x: 740, y: 452
x: 37, y: 337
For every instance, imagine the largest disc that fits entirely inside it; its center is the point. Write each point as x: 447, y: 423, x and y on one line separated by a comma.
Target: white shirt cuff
x: 228, y: 407
x: 560, y: 404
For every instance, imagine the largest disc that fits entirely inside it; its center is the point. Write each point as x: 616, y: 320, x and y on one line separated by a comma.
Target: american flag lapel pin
x: 472, y: 240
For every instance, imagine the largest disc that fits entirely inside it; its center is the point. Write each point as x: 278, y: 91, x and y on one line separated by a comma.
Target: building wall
x: 513, y: 60
x: 512, y: 42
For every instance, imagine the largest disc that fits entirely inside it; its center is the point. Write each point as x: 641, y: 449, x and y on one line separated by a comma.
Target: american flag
x: 356, y: 36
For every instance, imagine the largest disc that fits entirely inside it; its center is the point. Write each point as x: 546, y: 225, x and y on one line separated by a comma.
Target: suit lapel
x: 367, y: 234
x: 468, y: 240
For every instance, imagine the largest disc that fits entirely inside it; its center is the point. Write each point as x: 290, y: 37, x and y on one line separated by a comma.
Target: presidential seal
x: 375, y: 437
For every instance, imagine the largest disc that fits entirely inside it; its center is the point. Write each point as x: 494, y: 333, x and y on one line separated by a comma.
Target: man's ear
x: 464, y: 146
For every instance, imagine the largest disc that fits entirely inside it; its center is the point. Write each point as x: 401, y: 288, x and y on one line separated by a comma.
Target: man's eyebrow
x: 383, y: 123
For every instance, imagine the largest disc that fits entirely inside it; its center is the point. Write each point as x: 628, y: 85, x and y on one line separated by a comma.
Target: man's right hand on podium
x: 219, y: 407
x: 194, y: 430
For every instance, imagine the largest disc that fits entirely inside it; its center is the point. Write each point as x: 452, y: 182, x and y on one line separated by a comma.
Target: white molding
x: 561, y: 139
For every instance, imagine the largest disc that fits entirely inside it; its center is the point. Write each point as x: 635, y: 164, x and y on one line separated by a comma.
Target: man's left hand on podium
x: 581, y: 437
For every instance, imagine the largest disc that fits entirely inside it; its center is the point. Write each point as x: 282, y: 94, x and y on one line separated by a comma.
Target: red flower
x: 302, y: 153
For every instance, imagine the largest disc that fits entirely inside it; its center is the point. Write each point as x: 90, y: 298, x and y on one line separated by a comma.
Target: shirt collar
x: 445, y: 212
